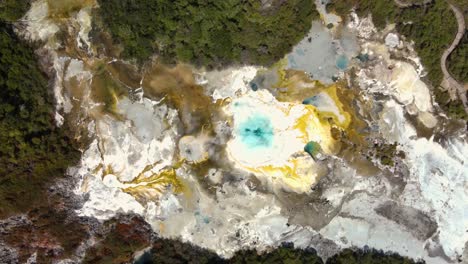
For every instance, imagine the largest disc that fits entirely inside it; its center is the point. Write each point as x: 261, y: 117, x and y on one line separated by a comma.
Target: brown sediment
x: 126, y: 73
x: 77, y: 117
x: 306, y: 209
x: 106, y: 90
x: 286, y: 85
x: 102, y: 43
x: 75, y: 89
x: 108, y: 82
x: 363, y: 166
x: 356, y: 127
x: 200, y: 171
x: 354, y: 138
x: 178, y: 88
x: 354, y: 146
x: 59, y: 9
x: 70, y: 45
x: 295, y: 86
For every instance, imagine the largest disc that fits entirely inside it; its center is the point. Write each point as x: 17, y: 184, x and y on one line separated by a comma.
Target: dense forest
x: 463, y: 6
x: 34, y: 153
x: 12, y: 10
x: 33, y: 150
x: 208, y: 32
x: 458, y: 61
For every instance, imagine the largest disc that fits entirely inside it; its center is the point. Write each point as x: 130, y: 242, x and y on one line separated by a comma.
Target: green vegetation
x: 453, y: 108
x: 33, y: 150
x: 383, y: 11
x: 174, y: 251
x: 286, y: 254
x: 33, y: 154
x: 12, y: 10
x: 458, y: 67
x: 433, y: 30
x: 386, y: 153
x: 463, y: 6
x: 368, y: 256
x: 458, y: 61
x: 207, y: 32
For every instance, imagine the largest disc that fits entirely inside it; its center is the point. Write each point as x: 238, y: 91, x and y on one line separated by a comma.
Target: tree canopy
x: 12, y: 10
x: 208, y: 32
x: 33, y: 150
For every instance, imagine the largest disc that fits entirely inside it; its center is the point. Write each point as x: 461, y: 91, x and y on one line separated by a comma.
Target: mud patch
x: 177, y: 86
x: 417, y: 223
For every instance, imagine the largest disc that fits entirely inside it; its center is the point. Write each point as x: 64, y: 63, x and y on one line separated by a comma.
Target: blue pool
x: 342, y: 62
x: 311, y: 100
x: 256, y: 131
x: 312, y: 148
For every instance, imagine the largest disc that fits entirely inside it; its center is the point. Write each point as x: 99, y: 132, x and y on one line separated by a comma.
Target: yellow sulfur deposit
x: 150, y: 188
x: 288, y: 128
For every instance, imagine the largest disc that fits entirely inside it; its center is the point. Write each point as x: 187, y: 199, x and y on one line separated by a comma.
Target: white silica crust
x: 122, y: 151
x: 392, y: 40
x: 229, y: 83
x: 129, y: 146
x: 442, y: 172
x: 285, y: 140
x: 401, y: 80
x: 409, y: 88
x: 194, y: 149
x: 39, y: 26
x: 324, y: 103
